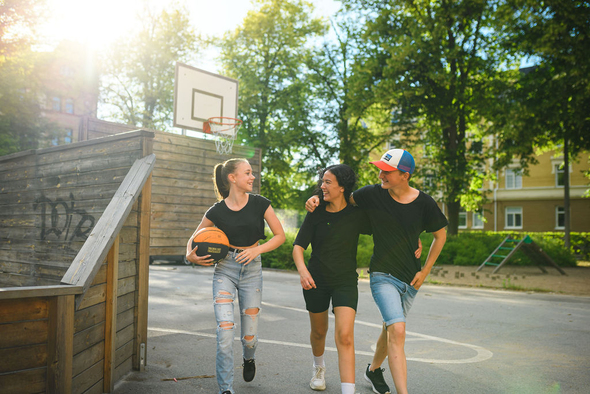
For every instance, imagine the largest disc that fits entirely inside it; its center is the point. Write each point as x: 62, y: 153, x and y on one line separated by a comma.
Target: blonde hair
x: 220, y: 176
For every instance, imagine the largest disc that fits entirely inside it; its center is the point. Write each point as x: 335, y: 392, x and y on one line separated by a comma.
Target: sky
x: 99, y: 23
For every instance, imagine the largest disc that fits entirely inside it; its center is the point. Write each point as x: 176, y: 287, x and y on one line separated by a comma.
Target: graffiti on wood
x: 59, y: 216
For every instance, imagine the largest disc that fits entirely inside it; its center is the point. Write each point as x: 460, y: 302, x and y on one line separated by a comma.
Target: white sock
x: 318, y: 361
x: 347, y: 388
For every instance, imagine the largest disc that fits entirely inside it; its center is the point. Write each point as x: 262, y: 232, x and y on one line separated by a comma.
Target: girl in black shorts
x: 333, y: 230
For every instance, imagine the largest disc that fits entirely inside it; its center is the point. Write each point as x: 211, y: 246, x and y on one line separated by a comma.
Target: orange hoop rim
x: 225, y: 121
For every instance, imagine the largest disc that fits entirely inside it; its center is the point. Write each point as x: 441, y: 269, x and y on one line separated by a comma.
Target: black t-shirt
x: 244, y: 227
x: 334, y: 240
x: 396, y: 229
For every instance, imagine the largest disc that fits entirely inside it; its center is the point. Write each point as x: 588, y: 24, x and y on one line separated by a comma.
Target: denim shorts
x: 393, y: 297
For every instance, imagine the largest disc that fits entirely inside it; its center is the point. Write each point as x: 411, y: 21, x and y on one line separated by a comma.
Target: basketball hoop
x: 225, y: 131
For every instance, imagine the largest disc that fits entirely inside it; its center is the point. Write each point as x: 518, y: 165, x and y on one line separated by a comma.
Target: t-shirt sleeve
x: 262, y: 202
x: 435, y: 219
x: 305, y: 233
x: 361, y: 196
x: 213, y: 213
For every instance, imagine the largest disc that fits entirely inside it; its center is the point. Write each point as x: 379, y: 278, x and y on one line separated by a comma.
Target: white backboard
x: 200, y: 95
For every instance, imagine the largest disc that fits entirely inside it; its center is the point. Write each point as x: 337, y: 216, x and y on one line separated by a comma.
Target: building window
x: 513, y: 217
x: 559, y: 175
x: 56, y: 104
x: 477, y: 220
x: 69, y: 106
x: 462, y: 219
x: 559, y: 218
x: 68, y: 137
x: 513, y: 179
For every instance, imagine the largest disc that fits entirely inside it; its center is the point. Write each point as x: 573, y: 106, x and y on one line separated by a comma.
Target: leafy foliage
x: 435, y: 67
x: 472, y: 248
x: 22, y: 125
x: 138, y: 76
x: 267, y: 54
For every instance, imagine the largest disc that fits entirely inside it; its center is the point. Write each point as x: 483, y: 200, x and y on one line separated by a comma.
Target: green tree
x: 138, y: 72
x: 22, y: 125
x: 268, y: 54
x: 552, y: 98
x: 341, y: 111
x: 435, y: 67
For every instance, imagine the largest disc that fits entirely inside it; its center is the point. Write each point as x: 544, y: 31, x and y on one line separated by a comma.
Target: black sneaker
x: 376, y: 379
x: 226, y: 392
x: 249, y: 370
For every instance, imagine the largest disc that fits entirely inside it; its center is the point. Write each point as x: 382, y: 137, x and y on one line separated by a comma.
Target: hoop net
x: 225, y: 131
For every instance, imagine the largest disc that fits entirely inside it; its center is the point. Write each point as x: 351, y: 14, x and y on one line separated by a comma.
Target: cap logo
x: 387, y: 157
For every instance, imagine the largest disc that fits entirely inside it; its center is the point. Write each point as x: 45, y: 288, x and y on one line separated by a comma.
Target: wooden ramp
x: 529, y: 248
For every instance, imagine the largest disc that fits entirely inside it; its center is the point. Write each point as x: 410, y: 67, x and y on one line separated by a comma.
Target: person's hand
x: 247, y: 255
x: 307, y: 281
x: 312, y: 203
x: 418, y: 251
x: 419, y: 279
x: 200, y: 260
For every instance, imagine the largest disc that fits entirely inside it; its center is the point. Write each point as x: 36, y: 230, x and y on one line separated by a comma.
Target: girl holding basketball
x: 241, y: 216
x: 333, y: 230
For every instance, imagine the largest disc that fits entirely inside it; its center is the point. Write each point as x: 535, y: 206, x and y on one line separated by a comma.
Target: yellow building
x: 526, y: 203
x: 535, y: 202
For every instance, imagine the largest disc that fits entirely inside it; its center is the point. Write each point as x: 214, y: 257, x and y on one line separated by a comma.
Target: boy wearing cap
x: 398, y: 214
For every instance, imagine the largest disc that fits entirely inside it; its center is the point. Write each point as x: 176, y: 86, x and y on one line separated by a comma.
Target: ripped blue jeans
x: 231, y: 277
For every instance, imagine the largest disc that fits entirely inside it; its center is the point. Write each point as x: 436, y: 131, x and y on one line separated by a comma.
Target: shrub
x: 473, y: 248
x: 466, y: 248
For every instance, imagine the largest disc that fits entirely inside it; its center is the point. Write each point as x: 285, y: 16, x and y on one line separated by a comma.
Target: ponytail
x: 220, y: 173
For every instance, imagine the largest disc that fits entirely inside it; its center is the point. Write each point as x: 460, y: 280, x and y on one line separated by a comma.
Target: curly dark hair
x: 345, y: 177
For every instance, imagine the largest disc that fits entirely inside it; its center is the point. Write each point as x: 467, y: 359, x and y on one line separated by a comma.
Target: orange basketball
x: 213, y: 241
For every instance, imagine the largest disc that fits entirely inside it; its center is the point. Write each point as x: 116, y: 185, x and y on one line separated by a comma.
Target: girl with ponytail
x: 241, y: 216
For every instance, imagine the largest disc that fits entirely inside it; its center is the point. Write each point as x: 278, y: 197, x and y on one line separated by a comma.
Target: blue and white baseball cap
x: 396, y: 159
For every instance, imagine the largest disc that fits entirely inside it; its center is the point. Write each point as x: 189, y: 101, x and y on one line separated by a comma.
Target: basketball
x: 213, y: 241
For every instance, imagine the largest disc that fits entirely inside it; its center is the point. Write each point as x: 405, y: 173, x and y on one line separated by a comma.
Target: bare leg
x: 397, y: 356
x: 319, y: 330
x: 344, y: 337
x: 380, y: 350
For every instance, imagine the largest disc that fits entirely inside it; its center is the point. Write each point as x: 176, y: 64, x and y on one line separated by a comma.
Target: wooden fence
x: 74, y: 254
x: 182, y: 188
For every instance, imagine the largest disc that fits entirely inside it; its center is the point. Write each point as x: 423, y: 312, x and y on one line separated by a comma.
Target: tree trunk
x: 453, y: 216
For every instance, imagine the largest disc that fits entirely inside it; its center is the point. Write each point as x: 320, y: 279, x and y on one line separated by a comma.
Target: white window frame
x: 463, y: 214
x: 557, y: 214
x: 477, y: 220
x: 510, y: 211
x: 558, y: 171
x: 513, y: 179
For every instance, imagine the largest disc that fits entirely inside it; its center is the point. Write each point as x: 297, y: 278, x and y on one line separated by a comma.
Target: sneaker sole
x: 320, y: 388
x: 373, y: 387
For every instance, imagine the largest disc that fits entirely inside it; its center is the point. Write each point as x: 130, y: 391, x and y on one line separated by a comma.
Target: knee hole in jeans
x: 222, y: 297
x: 252, y: 312
x: 226, y: 325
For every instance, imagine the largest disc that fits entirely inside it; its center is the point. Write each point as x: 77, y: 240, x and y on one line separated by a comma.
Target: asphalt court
x: 459, y: 340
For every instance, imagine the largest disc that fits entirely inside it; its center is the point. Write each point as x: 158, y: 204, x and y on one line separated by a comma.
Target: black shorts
x: 318, y: 300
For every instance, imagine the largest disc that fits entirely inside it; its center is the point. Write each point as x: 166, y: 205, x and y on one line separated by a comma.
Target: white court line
x: 482, y: 353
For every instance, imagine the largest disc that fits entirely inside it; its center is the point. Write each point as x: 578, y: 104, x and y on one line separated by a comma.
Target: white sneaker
x: 318, y: 380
